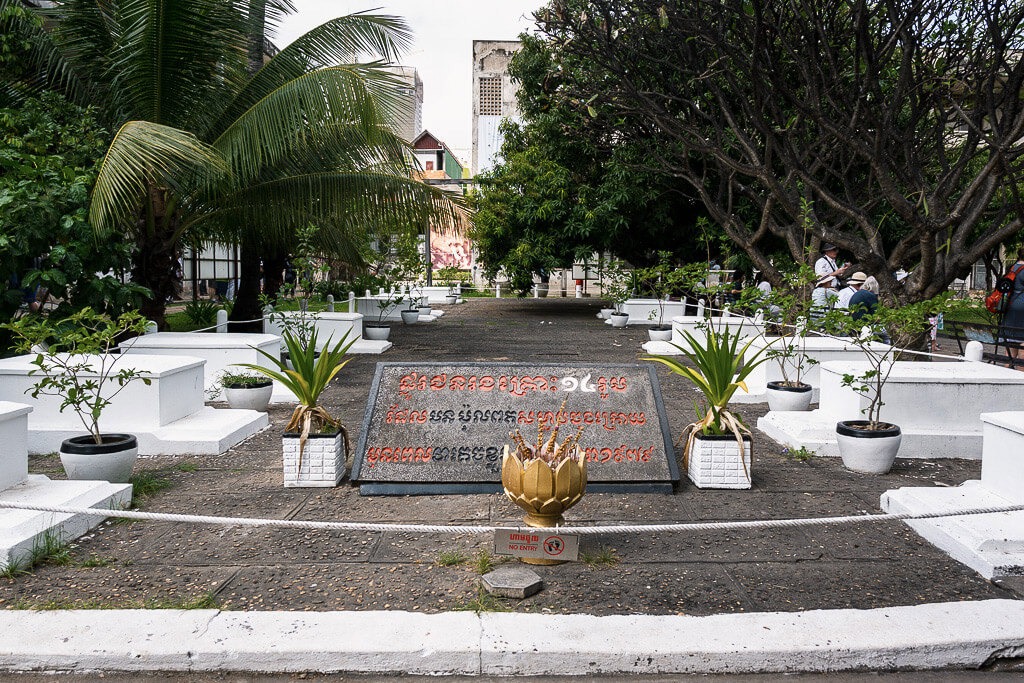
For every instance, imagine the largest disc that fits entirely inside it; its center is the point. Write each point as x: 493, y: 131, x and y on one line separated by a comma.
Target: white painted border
x: 454, y: 643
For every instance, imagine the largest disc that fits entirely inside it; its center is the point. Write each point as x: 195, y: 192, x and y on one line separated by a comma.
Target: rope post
x: 151, y: 327
x: 267, y: 311
x: 536, y: 291
x: 579, y: 291
x: 222, y: 321
x: 497, y: 291
x: 700, y: 308
x: 330, y: 303
x: 368, y: 294
x: 351, y: 302
x: 974, y: 351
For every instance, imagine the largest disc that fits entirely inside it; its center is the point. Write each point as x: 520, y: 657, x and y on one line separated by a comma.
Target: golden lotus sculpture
x: 544, y: 490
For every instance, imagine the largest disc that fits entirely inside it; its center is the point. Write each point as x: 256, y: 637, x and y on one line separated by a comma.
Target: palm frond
x: 303, y: 112
x: 43, y: 65
x: 338, y: 41
x: 175, y: 62
x: 142, y: 155
x: 342, y: 204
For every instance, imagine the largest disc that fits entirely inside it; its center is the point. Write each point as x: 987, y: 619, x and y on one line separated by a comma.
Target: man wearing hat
x: 828, y: 272
x: 853, y: 285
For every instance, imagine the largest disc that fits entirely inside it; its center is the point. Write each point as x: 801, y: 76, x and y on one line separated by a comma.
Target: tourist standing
x: 853, y: 285
x: 865, y: 299
x: 1011, y: 327
x: 828, y: 272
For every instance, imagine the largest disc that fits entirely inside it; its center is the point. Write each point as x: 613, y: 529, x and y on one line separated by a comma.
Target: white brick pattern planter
x: 323, y: 460
x: 714, y: 463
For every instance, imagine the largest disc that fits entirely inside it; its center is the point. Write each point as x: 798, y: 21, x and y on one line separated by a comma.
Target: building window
x: 490, y: 96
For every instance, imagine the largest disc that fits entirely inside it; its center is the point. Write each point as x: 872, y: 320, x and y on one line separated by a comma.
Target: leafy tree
x: 203, y: 148
x: 564, y: 191
x: 48, y: 153
x: 897, y: 121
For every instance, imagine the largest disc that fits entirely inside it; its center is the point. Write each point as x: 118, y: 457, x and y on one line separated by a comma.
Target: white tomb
x: 220, y: 351
x: 14, y: 437
x: 370, y: 308
x: 814, y: 349
x: 647, y: 311
x: 167, y: 416
x: 993, y: 543
x: 438, y: 295
x: 937, y: 406
x: 697, y: 326
x: 21, y: 530
x: 334, y: 326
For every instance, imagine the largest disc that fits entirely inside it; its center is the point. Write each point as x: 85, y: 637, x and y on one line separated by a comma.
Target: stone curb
x: 957, y: 635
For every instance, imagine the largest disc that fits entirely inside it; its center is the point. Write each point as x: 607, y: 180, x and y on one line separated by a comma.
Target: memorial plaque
x: 441, y: 428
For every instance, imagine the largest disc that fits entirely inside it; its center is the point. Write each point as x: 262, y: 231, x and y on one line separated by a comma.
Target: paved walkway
x: 406, y: 592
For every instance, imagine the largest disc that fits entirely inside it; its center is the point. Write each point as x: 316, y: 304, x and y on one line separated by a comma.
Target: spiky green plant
x: 720, y: 367
x: 309, y: 375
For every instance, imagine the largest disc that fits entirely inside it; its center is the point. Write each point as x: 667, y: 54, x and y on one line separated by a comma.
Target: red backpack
x: 999, y: 300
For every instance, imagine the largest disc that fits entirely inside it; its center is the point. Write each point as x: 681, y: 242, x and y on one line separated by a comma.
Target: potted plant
x: 718, y: 450
x: 789, y: 310
x: 75, y: 360
x: 449, y: 277
x: 386, y: 302
x: 618, y: 289
x: 411, y: 314
x: 661, y: 280
x: 870, y: 445
x: 246, y: 390
x: 296, y: 308
x: 314, y: 445
x: 545, y: 478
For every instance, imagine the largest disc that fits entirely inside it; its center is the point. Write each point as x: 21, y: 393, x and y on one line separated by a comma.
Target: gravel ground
x: 172, y: 565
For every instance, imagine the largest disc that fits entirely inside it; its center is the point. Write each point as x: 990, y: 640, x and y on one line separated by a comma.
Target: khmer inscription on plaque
x: 440, y: 428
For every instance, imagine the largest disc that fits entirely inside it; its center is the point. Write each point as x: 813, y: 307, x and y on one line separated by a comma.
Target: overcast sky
x: 442, y: 52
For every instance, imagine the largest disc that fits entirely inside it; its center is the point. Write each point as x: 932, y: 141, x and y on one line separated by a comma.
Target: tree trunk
x: 155, y: 261
x: 273, y: 271
x: 247, y: 301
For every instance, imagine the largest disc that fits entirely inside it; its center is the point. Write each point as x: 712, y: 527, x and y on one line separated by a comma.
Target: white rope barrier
x: 441, y: 529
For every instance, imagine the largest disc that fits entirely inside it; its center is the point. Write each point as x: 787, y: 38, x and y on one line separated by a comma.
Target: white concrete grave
x: 439, y: 295
x: 334, y: 326
x: 168, y: 416
x: 816, y: 350
x: 21, y: 530
x: 369, y: 306
x: 646, y: 311
x: 220, y: 351
x: 937, y: 406
x: 992, y: 544
x: 14, y: 437
x: 697, y: 325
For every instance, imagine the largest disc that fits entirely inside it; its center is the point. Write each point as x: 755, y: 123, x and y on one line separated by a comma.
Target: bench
x: 996, y: 349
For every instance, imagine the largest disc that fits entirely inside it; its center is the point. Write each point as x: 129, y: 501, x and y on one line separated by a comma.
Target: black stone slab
x: 432, y: 428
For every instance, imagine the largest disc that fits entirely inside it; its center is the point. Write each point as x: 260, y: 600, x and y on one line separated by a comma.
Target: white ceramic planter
x: 714, y: 462
x: 451, y: 298
x: 619, y: 319
x: 867, y: 451
x: 255, y: 397
x: 410, y: 316
x: 605, y: 313
x: 110, y: 461
x: 322, y: 463
x: 656, y: 334
x: 786, y: 398
x: 376, y: 333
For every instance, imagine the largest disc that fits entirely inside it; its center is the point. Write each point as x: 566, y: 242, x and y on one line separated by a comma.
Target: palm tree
x: 205, y: 148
